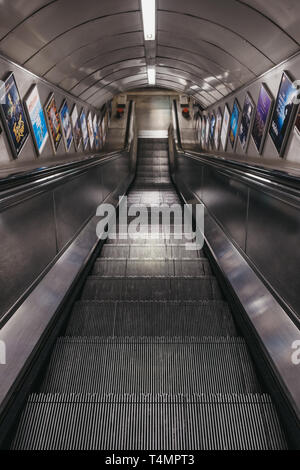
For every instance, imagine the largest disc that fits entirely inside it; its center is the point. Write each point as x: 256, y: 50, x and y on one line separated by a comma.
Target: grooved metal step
x: 151, y: 268
x: 206, y: 318
x: 150, y: 365
x: 118, y: 422
x: 143, y: 251
x: 99, y: 288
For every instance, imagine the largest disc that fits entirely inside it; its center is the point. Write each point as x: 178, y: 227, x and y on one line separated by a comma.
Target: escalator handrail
x: 283, y: 179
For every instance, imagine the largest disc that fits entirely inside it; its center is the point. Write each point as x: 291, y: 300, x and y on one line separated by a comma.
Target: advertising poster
x: 218, y: 128
x: 207, y: 128
x: 37, y: 119
x: 76, y: 128
x: 199, y: 129
x: 53, y: 122
x: 225, y: 127
x: 84, y: 129
x: 246, y: 121
x: 100, y: 133
x: 297, y: 124
x: 90, y: 130
x: 96, y: 135
x: 263, y: 110
x: 212, y: 129
x: 103, y: 130
x: 203, y: 131
x: 234, y: 123
x: 283, y: 113
x: 66, y: 125
x: 13, y: 115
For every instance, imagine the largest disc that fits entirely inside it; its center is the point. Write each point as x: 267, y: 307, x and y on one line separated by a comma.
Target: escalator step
x: 114, y: 422
x: 207, y: 318
x: 153, y: 251
x: 151, y: 268
x: 150, y: 365
x: 99, y: 288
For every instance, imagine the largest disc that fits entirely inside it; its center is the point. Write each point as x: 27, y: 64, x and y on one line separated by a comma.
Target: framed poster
x: 84, y: 129
x: 283, y: 114
x: 36, y: 118
x: 225, y: 127
x: 212, y: 129
x: 297, y: 124
x: 100, y: 133
x: 13, y: 115
x: 90, y: 130
x: 203, y: 130
x: 103, y: 130
x: 199, y: 129
x: 246, y: 121
x: 96, y: 134
x: 53, y: 122
x: 262, y: 117
x: 66, y: 125
x: 76, y: 128
x: 234, y: 124
x: 218, y: 128
x: 207, y: 128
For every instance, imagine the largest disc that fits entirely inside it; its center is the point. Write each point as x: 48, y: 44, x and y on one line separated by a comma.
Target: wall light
x: 149, y: 13
x: 151, y: 75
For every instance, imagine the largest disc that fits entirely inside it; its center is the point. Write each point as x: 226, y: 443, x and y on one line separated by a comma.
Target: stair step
x: 99, y: 288
x: 118, y: 422
x: 206, y: 318
x: 151, y: 268
x: 144, y: 251
x: 150, y: 365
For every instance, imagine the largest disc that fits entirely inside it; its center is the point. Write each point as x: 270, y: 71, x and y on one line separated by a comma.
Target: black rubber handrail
x: 281, y: 177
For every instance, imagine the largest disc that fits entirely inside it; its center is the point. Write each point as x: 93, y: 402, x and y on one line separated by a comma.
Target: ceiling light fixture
x: 151, y: 75
x: 149, y: 13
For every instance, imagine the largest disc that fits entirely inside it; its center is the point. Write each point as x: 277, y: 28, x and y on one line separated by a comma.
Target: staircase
x: 151, y: 359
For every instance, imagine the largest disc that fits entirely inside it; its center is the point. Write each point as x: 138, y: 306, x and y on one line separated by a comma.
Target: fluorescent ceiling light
x: 151, y: 75
x: 149, y: 13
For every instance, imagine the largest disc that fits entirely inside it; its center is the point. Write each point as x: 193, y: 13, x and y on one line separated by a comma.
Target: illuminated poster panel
x: 246, y: 122
x: 284, y: 112
x: 225, y: 127
x: 76, y: 128
x: 54, y: 124
x: 36, y: 119
x: 13, y: 115
x: 262, y: 117
x: 234, y: 124
x: 218, y: 129
x: 90, y: 130
x: 84, y: 129
x: 66, y: 125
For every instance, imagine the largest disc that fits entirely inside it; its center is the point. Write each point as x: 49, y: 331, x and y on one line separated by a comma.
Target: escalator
x: 151, y: 357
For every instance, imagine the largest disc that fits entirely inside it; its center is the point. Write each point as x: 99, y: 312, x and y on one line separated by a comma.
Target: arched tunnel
x: 149, y: 223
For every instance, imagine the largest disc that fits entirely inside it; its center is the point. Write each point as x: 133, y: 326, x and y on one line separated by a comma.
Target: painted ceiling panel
x: 236, y: 17
x: 83, y: 53
x: 13, y: 13
x: 95, y: 48
x: 283, y: 13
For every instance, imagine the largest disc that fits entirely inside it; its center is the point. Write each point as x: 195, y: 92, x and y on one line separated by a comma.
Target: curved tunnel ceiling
x: 95, y: 48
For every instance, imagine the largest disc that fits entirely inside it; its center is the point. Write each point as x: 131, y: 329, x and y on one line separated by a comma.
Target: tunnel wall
x: 25, y: 80
x: 262, y: 220
x: 272, y: 80
x: 39, y: 220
